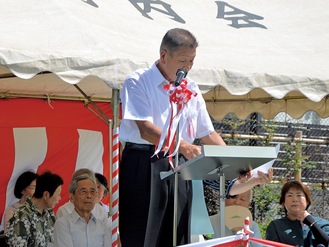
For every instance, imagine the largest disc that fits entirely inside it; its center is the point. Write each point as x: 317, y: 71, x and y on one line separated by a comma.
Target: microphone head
x: 181, y: 72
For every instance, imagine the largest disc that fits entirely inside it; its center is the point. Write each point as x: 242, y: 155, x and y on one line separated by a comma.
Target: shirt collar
x: 157, y: 76
x: 76, y: 216
x: 29, y: 202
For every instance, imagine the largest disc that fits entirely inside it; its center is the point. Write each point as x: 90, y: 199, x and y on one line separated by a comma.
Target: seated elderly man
x: 99, y: 211
x: 243, y: 200
x: 81, y: 228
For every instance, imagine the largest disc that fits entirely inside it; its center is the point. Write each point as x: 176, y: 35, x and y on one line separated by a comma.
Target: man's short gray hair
x: 177, y: 38
x: 78, y: 175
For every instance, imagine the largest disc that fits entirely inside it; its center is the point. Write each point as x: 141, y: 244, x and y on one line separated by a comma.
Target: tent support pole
x: 114, y: 205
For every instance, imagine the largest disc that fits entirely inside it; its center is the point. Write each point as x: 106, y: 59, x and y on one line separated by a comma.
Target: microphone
x: 181, y: 73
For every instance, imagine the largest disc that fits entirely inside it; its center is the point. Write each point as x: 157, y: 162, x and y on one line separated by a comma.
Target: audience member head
x: 83, y: 192
x: 102, y: 186
x: 295, y: 193
x: 77, y: 174
x: 243, y: 199
x: 82, y: 171
x: 25, y: 184
x: 49, y: 187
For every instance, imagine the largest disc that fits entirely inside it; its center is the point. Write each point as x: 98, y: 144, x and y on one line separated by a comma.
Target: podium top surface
x: 232, y: 161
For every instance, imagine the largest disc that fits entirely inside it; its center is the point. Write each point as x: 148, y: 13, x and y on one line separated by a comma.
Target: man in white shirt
x: 98, y: 211
x: 81, y: 228
x: 147, y: 202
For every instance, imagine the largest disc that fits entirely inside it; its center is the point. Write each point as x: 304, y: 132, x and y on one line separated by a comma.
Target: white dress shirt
x: 144, y: 98
x: 99, y: 212
x: 73, y: 231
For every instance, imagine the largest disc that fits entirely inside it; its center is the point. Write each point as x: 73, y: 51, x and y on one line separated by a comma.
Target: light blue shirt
x: 73, y: 231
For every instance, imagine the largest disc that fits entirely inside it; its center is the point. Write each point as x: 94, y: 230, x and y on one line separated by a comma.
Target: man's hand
x: 264, y: 178
x: 190, y: 151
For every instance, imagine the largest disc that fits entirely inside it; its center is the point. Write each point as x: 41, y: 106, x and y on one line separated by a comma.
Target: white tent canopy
x: 253, y: 56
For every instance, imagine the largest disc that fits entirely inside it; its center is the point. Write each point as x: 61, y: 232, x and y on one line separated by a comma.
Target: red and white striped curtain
x: 60, y: 136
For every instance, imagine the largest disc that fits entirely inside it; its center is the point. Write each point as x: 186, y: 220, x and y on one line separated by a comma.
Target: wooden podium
x: 223, y: 162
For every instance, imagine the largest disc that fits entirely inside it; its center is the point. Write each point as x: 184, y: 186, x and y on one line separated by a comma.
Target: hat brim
x: 235, y: 217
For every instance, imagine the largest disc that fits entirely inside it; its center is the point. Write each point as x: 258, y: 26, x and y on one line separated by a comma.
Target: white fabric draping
x: 280, y: 47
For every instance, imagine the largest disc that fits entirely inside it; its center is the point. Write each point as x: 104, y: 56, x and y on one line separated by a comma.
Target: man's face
x: 84, y: 197
x: 55, y: 198
x: 181, y: 59
x: 241, y: 200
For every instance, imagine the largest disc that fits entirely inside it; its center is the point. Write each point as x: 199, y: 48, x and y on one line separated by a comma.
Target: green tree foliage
x: 294, y: 159
x: 266, y: 204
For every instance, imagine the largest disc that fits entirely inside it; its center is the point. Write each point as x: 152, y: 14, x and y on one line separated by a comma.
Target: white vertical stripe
x: 91, y: 149
x: 30, y: 151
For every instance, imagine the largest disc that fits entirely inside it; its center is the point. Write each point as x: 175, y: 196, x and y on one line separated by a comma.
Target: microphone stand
x: 175, y: 195
x: 180, y: 75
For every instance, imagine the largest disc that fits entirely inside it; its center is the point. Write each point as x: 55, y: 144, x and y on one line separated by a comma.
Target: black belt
x: 142, y: 147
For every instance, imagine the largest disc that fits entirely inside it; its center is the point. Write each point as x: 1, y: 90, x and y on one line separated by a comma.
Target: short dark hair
x: 23, y: 181
x: 103, y: 181
x: 47, y: 181
x: 299, y: 186
x: 177, y: 38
